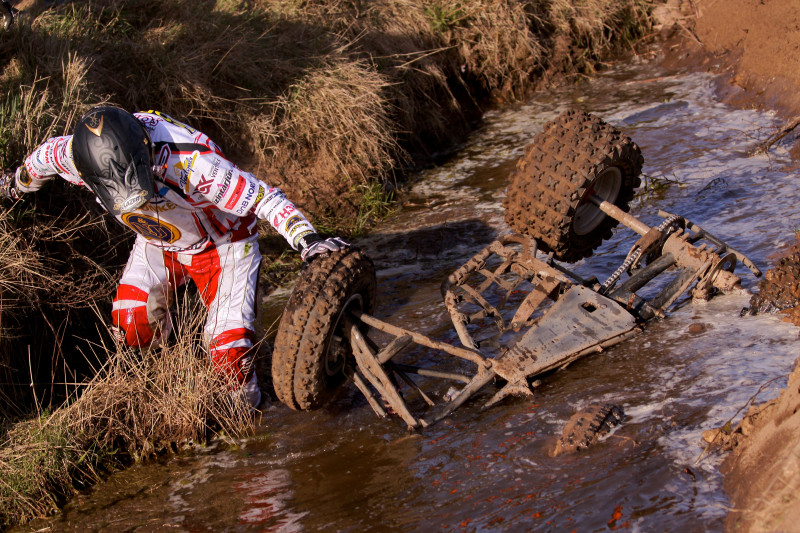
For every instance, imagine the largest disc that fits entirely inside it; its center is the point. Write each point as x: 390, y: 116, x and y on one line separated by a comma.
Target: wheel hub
x: 336, y: 354
x: 606, y: 186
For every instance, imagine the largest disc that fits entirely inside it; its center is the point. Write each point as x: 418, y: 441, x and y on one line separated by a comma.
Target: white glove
x: 318, y: 247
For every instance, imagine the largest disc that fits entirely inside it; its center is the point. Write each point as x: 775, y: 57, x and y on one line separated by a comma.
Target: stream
x: 344, y: 469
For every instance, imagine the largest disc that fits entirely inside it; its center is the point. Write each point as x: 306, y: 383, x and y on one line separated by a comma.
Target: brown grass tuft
x: 143, y: 400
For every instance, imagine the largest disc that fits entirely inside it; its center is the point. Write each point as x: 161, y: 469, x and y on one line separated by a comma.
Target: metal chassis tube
x: 371, y: 368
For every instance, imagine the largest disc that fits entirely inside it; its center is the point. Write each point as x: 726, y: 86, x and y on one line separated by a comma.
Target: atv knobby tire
x: 311, y: 358
x: 585, y: 427
x: 574, y: 156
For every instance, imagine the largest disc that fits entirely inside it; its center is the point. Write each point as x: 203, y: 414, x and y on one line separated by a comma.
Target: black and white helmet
x: 114, y: 156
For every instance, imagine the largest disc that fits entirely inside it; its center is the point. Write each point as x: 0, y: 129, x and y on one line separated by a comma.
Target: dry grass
x: 145, y: 400
x: 38, y: 461
x: 334, y: 119
x: 138, y: 404
x: 56, y: 253
x: 580, y: 34
x: 46, y: 278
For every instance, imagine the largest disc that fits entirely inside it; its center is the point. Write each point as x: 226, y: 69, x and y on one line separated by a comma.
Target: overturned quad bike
x: 518, y: 311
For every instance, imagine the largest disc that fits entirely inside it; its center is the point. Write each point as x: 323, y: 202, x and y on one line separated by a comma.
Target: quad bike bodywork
x: 518, y: 311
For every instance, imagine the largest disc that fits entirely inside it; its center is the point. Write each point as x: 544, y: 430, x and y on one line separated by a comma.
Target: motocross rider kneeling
x: 194, y: 213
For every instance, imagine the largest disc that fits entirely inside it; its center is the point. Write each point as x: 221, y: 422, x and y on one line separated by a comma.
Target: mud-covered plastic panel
x: 580, y: 319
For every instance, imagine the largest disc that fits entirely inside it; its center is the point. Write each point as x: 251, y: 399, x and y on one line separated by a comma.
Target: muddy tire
x: 311, y: 358
x: 574, y: 156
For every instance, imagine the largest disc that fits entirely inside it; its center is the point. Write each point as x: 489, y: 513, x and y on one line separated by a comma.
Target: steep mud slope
x: 763, y: 473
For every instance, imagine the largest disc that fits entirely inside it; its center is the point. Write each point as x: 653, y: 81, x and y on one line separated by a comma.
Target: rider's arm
x: 213, y: 178
x: 51, y: 158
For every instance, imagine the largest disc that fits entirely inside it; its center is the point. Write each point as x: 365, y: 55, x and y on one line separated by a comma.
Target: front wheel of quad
x: 574, y: 157
x: 312, y: 357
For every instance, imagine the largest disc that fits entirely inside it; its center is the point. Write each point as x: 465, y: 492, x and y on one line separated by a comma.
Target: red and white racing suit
x: 200, y: 224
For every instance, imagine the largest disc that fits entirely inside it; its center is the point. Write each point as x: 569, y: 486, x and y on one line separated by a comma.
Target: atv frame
x: 518, y: 312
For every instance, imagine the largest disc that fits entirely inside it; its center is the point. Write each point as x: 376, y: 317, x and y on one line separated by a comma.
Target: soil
x: 755, y: 46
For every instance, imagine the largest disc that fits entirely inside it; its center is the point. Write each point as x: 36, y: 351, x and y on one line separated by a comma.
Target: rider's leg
x: 226, y: 278
x: 140, y: 314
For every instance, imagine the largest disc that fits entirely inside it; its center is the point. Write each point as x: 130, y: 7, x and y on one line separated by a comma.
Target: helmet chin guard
x: 114, y: 156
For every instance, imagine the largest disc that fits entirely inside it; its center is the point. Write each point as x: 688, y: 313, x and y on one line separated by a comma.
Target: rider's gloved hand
x: 8, y: 184
x: 314, y: 245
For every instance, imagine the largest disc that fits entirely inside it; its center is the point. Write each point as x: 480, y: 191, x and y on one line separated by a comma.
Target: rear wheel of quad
x: 312, y: 358
x: 575, y: 156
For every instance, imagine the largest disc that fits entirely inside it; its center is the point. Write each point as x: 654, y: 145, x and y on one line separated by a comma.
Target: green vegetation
x: 325, y: 99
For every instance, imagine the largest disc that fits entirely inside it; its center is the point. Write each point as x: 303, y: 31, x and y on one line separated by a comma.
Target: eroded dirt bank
x: 756, y: 44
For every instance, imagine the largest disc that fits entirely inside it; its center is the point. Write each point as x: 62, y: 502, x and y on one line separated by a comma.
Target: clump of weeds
x: 140, y: 403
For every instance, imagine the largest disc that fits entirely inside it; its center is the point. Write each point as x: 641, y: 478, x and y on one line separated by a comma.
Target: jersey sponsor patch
x: 186, y: 173
x: 303, y: 227
x: 282, y: 215
x: 151, y: 228
x: 237, y: 193
x: 251, y: 189
x: 297, y: 239
x: 271, y: 195
x: 24, y: 177
x: 171, y: 120
x: 204, y: 185
x: 61, y: 155
x: 260, y: 195
x: 159, y: 205
x: 292, y: 221
x: 222, y: 188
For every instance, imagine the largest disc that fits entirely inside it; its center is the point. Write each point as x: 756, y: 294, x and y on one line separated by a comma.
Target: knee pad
x: 141, y: 319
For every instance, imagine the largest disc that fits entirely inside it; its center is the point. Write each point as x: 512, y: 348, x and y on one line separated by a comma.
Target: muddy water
x: 344, y: 469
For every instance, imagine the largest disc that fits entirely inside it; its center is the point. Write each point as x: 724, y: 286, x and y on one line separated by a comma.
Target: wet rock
x: 718, y: 437
x: 698, y: 327
x: 728, y: 437
x: 747, y: 426
x: 585, y: 427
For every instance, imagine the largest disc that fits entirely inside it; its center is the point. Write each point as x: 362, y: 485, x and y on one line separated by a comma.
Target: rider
x: 194, y: 213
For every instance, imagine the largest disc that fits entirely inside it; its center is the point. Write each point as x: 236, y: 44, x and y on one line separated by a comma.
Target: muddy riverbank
x: 755, y: 45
